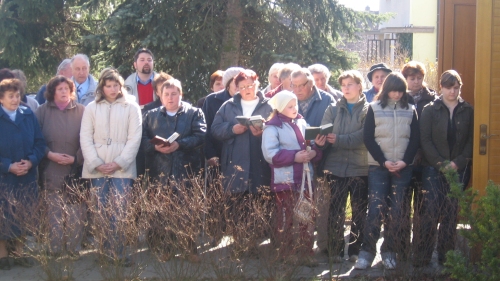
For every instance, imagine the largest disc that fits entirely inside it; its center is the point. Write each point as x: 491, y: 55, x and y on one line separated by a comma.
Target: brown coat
x: 61, y: 129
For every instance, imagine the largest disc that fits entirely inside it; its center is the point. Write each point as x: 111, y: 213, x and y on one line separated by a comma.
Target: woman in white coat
x: 110, y: 137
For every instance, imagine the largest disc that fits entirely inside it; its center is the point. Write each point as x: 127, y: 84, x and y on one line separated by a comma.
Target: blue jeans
x: 112, y: 198
x: 386, y: 199
x: 437, y: 206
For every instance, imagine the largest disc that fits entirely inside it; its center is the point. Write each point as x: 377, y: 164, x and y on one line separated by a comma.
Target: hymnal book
x: 157, y: 140
x: 256, y: 121
x: 312, y: 132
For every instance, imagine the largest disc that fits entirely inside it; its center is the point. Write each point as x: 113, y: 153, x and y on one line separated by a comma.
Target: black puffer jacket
x: 189, y: 122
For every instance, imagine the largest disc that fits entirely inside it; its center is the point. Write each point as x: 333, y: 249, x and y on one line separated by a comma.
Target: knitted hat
x: 281, y: 99
x: 229, y: 74
x: 378, y: 66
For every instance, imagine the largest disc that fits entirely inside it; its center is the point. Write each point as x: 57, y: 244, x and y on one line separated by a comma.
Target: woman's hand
x: 320, y: 140
x: 331, y: 138
x: 18, y: 169
x: 239, y: 129
x: 108, y: 168
x: 398, y: 166
x: 61, y: 158
x: 257, y: 132
x: 167, y: 149
x: 302, y: 157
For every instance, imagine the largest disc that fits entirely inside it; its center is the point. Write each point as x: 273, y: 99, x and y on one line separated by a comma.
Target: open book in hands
x: 256, y: 121
x: 157, y: 140
x: 312, y: 132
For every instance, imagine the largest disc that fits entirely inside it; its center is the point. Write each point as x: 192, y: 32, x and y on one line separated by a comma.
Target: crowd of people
x: 386, y: 148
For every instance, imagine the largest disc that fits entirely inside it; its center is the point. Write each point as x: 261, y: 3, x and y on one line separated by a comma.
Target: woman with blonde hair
x: 110, y: 138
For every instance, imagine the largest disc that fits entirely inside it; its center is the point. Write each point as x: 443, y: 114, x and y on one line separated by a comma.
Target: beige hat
x: 281, y: 99
x: 230, y: 73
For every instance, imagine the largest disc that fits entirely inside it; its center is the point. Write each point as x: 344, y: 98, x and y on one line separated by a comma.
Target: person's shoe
x: 5, y: 263
x: 336, y: 259
x: 353, y: 258
x: 362, y: 263
x: 389, y: 263
x: 24, y: 261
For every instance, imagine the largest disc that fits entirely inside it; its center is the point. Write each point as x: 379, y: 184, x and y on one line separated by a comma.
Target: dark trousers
x: 341, y: 187
x: 437, y: 206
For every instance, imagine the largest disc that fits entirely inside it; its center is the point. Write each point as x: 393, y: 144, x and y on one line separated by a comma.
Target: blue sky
x: 360, y: 5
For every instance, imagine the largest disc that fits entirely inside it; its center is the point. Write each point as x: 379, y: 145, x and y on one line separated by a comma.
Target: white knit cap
x: 281, y: 99
x: 230, y: 73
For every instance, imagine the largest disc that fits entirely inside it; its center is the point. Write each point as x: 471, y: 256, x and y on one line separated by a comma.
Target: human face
x: 248, y: 89
x: 144, y: 63
x: 320, y: 80
x: 66, y: 72
x: 232, y: 88
x: 291, y: 109
x: 111, y: 90
x: 287, y: 84
x: 11, y: 100
x: 274, y: 80
x: 171, y: 99
x: 80, y: 70
x: 302, y: 87
x: 415, y: 82
x: 451, y: 94
x: 350, y: 89
x: 395, y: 95
x: 217, y: 86
x: 63, y: 93
x: 378, y: 77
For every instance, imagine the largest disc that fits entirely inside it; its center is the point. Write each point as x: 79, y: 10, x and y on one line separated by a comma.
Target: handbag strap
x: 306, y: 174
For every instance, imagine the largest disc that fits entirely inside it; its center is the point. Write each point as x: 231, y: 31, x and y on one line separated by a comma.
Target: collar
x: 279, y: 119
x: 72, y: 104
x: 147, y: 81
x: 184, y: 106
x: 78, y: 84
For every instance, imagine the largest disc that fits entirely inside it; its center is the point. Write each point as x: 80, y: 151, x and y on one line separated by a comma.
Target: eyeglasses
x: 249, y: 87
x: 300, y: 86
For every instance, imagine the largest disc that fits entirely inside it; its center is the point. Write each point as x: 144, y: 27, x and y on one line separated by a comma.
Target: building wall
x: 424, y: 13
x: 401, y: 8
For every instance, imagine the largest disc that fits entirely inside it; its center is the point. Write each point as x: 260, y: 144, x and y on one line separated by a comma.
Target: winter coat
x: 131, y: 86
x: 391, y: 133
x: 189, y: 122
x: 242, y: 164
x: 370, y: 94
x: 348, y: 156
x: 318, y: 106
x: 281, y: 140
x: 61, y: 129
x: 19, y: 139
x: 433, y: 134
x: 427, y: 95
x: 111, y: 132
x: 90, y: 95
x: 336, y: 94
x: 213, y: 147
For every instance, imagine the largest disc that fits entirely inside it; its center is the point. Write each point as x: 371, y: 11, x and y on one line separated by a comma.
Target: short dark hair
x: 6, y: 73
x: 217, y: 75
x: 449, y: 78
x: 143, y: 50
x: 10, y: 84
x: 159, y: 79
x: 244, y: 75
x: 56, y: 81
x: 394, y: 81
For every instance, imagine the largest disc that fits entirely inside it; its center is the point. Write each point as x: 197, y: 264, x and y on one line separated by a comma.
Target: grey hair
x: 19, y: 74
x: 319, y: 68
x: 65, y: 63
x: 275, y: 68
x: 81, y: 56
x: 305, y: 72
x: 287, y: 70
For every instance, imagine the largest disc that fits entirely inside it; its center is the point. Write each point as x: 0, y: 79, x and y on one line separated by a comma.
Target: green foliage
x: 185, y: 35
x: 484, y: 222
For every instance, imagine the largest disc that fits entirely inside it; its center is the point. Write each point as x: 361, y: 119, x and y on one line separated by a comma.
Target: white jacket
x: 111, y: 133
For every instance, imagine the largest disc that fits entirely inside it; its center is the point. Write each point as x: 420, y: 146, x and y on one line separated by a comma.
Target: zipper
x: 395, y: 132
x: 109, y: 140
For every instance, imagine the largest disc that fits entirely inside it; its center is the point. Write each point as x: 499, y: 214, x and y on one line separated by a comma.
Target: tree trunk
x: 232, y: 30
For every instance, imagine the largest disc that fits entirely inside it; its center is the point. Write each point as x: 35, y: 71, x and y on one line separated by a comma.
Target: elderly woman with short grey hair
x: 321, y: 76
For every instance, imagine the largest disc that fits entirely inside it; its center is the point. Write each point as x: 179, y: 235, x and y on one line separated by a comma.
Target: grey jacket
x: 131, y: 86
x: 89, y: 96
x: 348, y: 156
x: 242, y: 163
